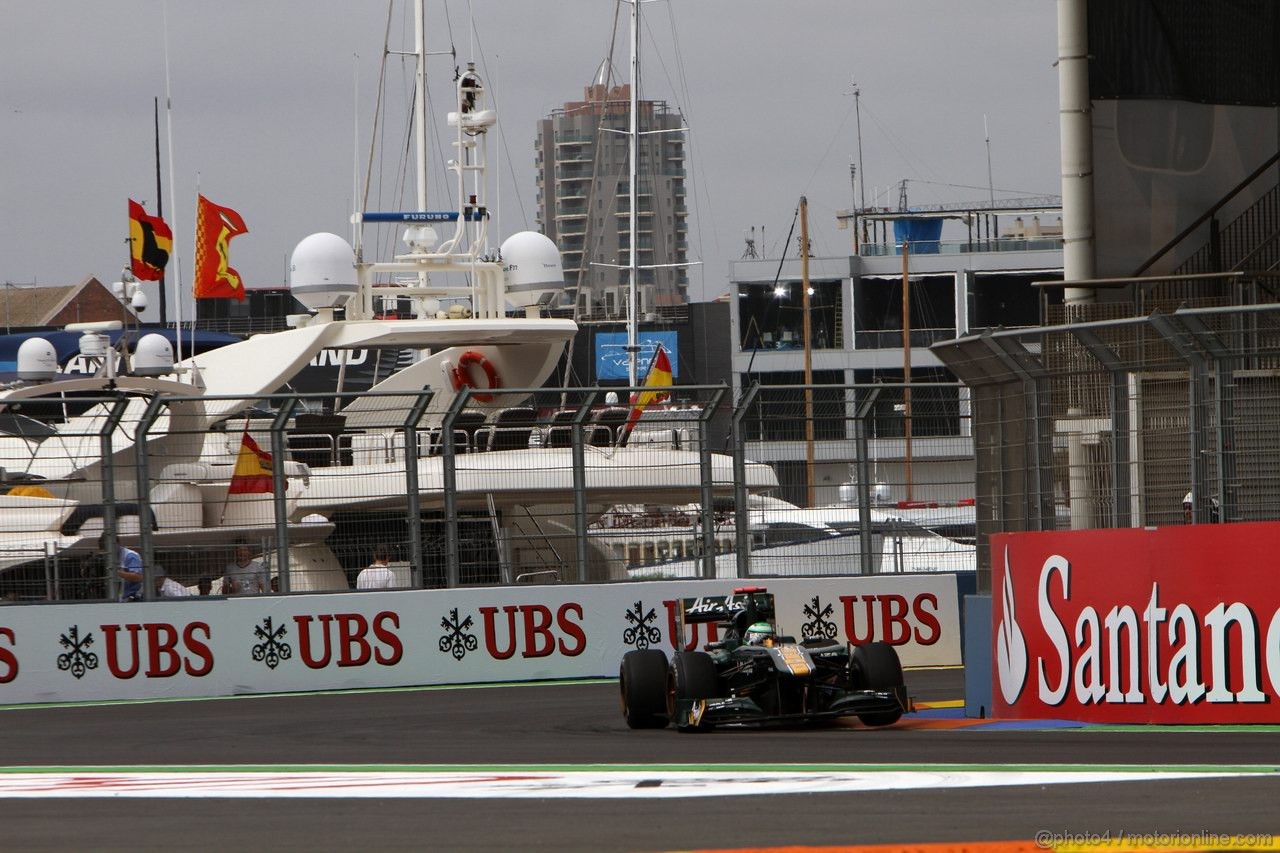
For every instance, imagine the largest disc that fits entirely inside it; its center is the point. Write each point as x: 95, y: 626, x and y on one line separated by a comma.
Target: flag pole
x: 164, y: 313
x: 173, y: 198
x: 226, y: 498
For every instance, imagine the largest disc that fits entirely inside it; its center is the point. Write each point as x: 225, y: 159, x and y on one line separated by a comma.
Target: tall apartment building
x: 584, y: 205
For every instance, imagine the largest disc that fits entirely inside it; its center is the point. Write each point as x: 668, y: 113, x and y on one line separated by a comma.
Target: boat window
x: 28, y: 428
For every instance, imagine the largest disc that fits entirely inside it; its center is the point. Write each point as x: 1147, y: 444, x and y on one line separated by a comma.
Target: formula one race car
x: 753, y: 675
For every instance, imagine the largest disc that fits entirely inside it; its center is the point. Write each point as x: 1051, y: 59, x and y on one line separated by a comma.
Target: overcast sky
x: 266, y: 94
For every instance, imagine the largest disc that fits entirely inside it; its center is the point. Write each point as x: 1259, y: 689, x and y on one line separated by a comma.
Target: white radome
x: 322, y: 271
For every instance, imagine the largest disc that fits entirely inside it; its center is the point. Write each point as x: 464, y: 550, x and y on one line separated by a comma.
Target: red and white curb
x: 536, y: 784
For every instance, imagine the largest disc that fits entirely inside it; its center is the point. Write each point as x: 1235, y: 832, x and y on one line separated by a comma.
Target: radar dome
x: 322, y: 271
x: 37, y: 360
x: 153, y: 356
x: 531, y: 269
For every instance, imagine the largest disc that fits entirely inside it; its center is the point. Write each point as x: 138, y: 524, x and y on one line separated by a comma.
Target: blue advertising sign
x: 611, y: 354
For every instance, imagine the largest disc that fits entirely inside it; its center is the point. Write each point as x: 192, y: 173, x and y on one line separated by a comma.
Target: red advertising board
x: 1162, y: 625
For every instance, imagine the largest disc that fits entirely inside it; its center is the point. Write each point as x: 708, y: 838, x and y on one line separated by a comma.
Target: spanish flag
x: 215, y: 226
x: 253, y: 469
x: 150, y: 242
x: 657, y: 383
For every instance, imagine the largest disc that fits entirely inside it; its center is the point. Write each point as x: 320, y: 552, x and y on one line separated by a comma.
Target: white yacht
x: 477, y: 326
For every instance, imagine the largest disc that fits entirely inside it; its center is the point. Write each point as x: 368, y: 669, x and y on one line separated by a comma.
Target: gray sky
x: 265, y: 102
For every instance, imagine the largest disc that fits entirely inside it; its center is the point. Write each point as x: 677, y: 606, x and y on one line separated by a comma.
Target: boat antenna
x: 991, y: 186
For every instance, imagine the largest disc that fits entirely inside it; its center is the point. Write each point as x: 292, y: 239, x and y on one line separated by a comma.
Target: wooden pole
x: 808, y: 352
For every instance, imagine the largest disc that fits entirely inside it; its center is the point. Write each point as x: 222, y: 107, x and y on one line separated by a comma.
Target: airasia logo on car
x: 1155, y: 650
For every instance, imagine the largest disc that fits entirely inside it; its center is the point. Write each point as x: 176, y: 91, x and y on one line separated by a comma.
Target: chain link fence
x: 301, y: 492
x: 1171, y: 418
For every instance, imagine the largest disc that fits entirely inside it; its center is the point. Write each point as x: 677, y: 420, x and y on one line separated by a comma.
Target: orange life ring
x: 462, y: 375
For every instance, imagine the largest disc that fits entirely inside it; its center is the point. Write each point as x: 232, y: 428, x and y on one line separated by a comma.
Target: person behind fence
x: 244, y: 575
x: 205, y: 585
x: 379, y: 574
x: 129, y: 569
x: 1188, y: 510
x: 167, y: 587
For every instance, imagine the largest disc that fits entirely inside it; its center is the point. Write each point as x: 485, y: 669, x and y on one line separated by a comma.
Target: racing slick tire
x: 642, y: 681
x: 875, y: 666
x: 691, y: 676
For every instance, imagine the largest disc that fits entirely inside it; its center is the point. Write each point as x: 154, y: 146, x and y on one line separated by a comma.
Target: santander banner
x: 268, y: 644
x: 1162, y: 625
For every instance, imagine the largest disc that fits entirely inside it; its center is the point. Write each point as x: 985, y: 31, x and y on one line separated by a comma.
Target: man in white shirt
x: 167, y: 587
x: 379, y: 574
x: 244, y: 575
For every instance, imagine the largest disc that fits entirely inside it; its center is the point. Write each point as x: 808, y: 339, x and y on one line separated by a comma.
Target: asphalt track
x: 522, y: 732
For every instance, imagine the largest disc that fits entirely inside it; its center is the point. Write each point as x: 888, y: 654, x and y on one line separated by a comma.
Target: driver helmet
x: 760, y: 634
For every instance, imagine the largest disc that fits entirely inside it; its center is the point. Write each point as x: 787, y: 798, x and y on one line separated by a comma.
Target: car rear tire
x: 875, y: 666
x: 642, y: 681
x: 691, y: 676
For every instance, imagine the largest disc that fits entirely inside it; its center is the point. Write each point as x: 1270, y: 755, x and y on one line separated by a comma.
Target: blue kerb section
x: 938, y: 713
x: 1032, y: 725
x: 977, y: 655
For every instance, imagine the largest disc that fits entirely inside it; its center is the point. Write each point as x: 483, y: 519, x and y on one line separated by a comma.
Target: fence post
x: 278, y: 485
x: 741, y: 511
x: 450, y: 464
x: 708, y: 491
x: 1176, y: 335
x: 1121, y: 515
x: 142, y: 461
x: 411, y: 485
x: 862, y: 447
x: 109, y: 515
x: 579, y: 452
x: 1022, y: 365
x: 1224, y: 411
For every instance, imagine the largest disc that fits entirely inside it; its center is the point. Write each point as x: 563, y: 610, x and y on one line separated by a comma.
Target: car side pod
x: 642, y: 683
x: 876, y: 667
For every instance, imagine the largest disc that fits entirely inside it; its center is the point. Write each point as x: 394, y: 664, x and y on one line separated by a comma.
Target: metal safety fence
x: 1170, y: 418
x: 291, y: 493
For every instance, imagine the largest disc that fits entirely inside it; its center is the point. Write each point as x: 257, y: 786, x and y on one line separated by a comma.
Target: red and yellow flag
x: 215, y: 226
x: 150, y: 242
x: 657, y: 384
x: 253, y: 469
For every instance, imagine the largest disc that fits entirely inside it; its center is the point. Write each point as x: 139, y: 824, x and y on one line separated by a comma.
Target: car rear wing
x: 753, y: 601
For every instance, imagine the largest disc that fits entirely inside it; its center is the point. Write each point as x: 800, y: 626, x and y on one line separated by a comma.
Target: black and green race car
x: 754, y: 676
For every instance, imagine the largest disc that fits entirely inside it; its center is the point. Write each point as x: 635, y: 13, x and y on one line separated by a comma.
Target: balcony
x: 964, y: 247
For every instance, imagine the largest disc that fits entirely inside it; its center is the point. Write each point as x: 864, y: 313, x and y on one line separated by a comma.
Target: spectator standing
x: 378, y: 575
x: 244, y: 575
x: 129, y: 570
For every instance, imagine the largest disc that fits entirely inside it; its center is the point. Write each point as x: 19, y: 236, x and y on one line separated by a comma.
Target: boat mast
x: 633, y: 154
x: 164, y: 313
x: 420, y: 112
